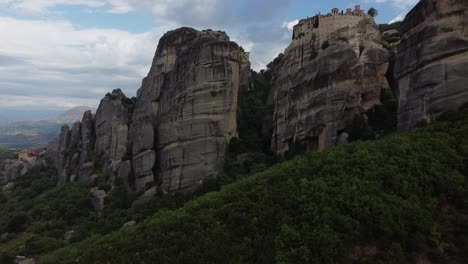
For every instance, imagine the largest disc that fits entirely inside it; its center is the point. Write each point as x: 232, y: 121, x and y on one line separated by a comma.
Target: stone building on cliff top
x: 325, y: 24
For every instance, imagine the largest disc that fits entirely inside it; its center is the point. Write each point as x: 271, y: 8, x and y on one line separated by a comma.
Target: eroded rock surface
x: 186, y: 108
x: 16, y: 170
x: 324, y: 80
x: 432, y: 61
x: 172, y: 135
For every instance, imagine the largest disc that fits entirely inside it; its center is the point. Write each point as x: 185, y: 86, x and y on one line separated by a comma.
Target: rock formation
x: 111, y: 128
x: 173, y: 134
x: 16, y: 170
x: 432, y: 61
x: 329, y: 74
x: 186, y: 108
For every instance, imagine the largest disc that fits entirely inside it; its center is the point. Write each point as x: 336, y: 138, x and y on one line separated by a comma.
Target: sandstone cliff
x: 173, y: 134
x: 186, y: 108
x: 432, y: 61
x: 324, y: 79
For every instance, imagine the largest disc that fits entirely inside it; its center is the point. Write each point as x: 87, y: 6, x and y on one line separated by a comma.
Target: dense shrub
x: 386, y: 201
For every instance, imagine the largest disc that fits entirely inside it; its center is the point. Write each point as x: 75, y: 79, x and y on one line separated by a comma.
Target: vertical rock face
x: 432, y: 60
x: 71, y: 151
x: 173, y: 134
x: 62, y: 160
x: 87, y: 146
x: 112, y: 120
x: 323, y: 80
x: 186, y: 108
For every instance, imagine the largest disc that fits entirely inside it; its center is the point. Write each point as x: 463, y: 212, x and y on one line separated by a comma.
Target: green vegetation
x: 250, y: 152
x: 390, y: 41
x: 386, y: 27
x: 35, y: 216
x: 373, y: 12
x: 5, y: 155
x: 380, y: 120
x: 386, y: 201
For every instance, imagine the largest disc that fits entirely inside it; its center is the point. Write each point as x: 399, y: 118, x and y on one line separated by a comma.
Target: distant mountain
x: 37, y: 133
x: 72, y: 115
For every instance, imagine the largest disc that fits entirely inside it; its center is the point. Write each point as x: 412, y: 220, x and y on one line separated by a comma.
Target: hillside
x: 395, y: 200
x: 37, y: 133
x: 347, y: 148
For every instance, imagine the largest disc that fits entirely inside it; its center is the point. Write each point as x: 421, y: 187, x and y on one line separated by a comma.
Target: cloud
x: 41, y: 6
x: 402, y: 4
x: 400, y: 17
x: 119, y: 6
x: 41, y: 58
x: 290, y: 25
x: 42, y: 102
x: 54, y: 58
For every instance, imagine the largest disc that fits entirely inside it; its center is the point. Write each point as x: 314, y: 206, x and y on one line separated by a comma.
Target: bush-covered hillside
x: 396, y: 200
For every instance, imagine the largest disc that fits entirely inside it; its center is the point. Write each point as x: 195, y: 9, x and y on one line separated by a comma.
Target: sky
x: 58, y: 54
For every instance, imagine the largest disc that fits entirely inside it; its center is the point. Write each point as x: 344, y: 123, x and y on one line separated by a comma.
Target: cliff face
x: 323, y: 81
x: 186, y: 108
x: 173, y: 134
x: 432, y: 60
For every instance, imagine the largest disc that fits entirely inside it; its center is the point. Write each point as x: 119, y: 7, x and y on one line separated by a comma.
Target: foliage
x: 390, y: 42
x: 405, y: 196
x: 373, y: 12
x: 6, y: 154
x: 383, y: 118
x: 386, y: 27
x: 378, y: 121
x: 249, y: 152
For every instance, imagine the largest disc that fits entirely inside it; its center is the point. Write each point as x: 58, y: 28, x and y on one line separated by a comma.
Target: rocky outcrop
x: 97, y: 199
x: 112, y: 120
x: 88, y: 140
x: 432, y: 61
x: 186, y: 108
x: 323, y: 81
x: 16, y: 170
x: 173, y: 134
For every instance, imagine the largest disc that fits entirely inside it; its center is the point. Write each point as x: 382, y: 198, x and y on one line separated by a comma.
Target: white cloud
x: 290, y: 25
x: 403, y: 4
x: 397, y: 18
x: 42, y: 57
x: 119, y: 6
x: 57, y: 59
x: 42, y: 102
x: 41, y: 6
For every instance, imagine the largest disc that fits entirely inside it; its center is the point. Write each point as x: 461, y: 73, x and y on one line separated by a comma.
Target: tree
x: 373, y: 12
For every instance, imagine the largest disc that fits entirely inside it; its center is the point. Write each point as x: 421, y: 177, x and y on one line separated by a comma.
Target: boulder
x: 97, y: 199
x: 69, y: 235
x: 130, y: 224
x: 8, y: 187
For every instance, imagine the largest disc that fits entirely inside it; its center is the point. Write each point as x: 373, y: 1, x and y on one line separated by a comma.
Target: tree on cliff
x: 373, y: 12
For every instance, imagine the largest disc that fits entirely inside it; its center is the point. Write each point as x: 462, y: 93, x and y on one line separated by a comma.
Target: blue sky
x: 57, y: 54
